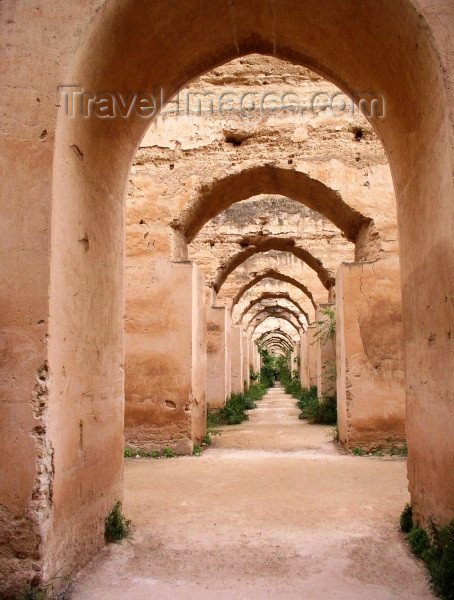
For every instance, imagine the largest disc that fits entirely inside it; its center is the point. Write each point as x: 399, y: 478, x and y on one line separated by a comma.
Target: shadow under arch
x: 134, y: 46
x: 260, y: 245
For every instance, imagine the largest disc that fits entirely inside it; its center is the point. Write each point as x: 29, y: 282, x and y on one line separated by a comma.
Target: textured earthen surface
x: 325, y: 348
x: 272, y: 490
x: 62, y: 249
x: 218, y: 382
x: 370, y: 369
x: 165, y: 359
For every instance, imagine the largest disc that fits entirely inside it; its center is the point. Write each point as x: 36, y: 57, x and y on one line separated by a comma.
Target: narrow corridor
x: 270, y: 510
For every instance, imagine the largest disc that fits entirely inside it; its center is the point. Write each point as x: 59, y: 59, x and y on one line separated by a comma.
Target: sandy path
x: 270, y: 511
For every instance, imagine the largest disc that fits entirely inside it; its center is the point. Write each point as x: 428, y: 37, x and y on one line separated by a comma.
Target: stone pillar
x: 165, y: 358
x: 218, y: 356
x: 257, y: 358
x: 370, y: 372
x: 236, y: 356
x: 252, y: 358
x: 304, y: 372
x: 311, y: 355
x: 246, y: 378
x: 326, y: 353
x: 292, y: 365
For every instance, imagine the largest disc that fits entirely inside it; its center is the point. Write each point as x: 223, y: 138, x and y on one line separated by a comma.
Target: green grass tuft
x: 116, y: 526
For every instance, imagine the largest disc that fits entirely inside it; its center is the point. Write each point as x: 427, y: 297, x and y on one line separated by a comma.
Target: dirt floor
x: 272, y: 510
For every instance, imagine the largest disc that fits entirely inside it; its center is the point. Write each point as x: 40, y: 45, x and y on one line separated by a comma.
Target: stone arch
x: 276, y: 341
x: 272, y: 274
x: 277, y: 332
x: 256, y: 246
x: 281, y: 316
x: 257, y: 320
x: 145, y: 46
x: 212, y: 199
x: 271, y: 296
x: 278, y: 348
x: 276, y: 309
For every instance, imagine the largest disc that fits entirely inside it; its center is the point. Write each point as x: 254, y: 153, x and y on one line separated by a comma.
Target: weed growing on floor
x: 206, y: 440
x: 399, y: 450
x: 234, y: 411
x: 419, y: 541
x: 406, y: 519
x: 357, y: 451
x: 436, y: 549
x: 197, y: 450
x: 116, y: 525
x: 322, y: 411
x: 165, y: 452
x: 47, y: 592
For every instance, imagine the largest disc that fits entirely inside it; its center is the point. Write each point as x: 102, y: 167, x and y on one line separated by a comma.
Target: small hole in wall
x: 235, y: 141
x: 142, y: 222
x: 171, y: 166
x: 358, y: 133
x: 171, y: 404
x: 290, y: 161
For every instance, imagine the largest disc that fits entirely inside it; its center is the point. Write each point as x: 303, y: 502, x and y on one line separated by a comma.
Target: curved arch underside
x: 257, y: 321
x: 276, y: 332
x: 276, y: 342
x: 274, y: 311
x: 216, y: 197
x: 278, y: 318
x: 273, y: 274
x: 259, y: 245
x: 272, y: 296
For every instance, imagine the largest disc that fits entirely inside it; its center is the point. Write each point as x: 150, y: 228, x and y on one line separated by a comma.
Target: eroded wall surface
x: 165, y: 358
x: 218, y: 356
x: 326, y: 350
x: 62, y: 294
x: 370, y: 369
x: 236, y: 360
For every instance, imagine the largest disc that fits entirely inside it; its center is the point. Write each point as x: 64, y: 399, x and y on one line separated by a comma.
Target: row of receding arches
x: 268, y: 289
x: 63, y: 292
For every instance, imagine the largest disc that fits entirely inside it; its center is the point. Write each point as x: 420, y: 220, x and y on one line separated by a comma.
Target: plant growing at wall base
x: 436, y: 549
x: 197, y: 450
x: 267, y: 370
x: 206, y: 440
x: 116, y: 526
x: 406, y: 519
x: 234, y: 411
x: 357, y: 451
